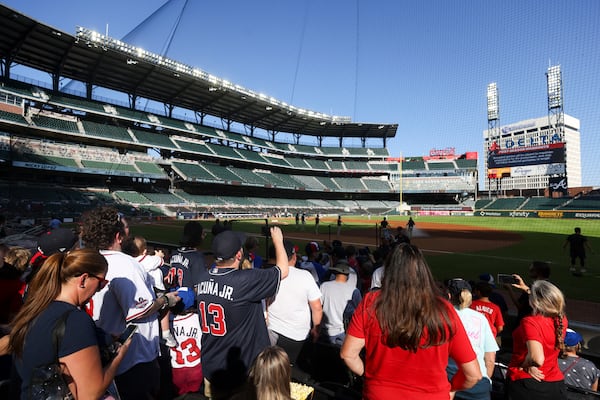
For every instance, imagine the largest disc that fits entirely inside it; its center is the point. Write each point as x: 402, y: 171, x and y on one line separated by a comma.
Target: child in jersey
x: 185, y: 357
x: 137, y: 247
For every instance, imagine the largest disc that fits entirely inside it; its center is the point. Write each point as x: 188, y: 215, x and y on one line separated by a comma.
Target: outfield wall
x: 539, y: 214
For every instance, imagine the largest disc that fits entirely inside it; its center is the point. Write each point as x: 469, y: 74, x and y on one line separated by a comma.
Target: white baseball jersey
x: 152, y: 266
x: 186, y: 329
x: 128, y: 295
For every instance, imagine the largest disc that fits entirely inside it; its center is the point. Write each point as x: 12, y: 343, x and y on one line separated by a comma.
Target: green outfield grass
x: 542, y: 239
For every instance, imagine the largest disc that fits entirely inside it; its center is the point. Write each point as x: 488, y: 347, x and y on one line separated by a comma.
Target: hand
x: 520, y: 283
x: 276, y: 234
x: 535, y: 373
x: 172, y: 298
x: 159, y: 253
x: 121, y: 348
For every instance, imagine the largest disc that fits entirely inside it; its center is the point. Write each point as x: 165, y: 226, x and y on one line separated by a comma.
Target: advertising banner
x: 542, y: 169
x: 553, y: 153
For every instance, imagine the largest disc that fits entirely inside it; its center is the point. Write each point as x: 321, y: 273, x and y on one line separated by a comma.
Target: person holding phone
x: 63, y: 285
x: 538, y: 270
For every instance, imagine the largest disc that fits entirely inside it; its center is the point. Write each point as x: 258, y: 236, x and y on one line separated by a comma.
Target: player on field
x: 577, y: 245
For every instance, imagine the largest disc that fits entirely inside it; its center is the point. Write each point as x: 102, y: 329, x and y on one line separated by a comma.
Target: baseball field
x: 454, y: 246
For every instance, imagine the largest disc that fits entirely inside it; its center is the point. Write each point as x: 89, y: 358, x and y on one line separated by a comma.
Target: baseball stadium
x: 64, y: 152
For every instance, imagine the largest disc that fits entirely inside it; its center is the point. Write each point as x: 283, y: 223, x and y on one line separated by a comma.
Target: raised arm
x: 281, y: 258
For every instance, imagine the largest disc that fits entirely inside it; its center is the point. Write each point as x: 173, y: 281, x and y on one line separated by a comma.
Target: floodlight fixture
x: 555, y: 92
x: 492, y: 102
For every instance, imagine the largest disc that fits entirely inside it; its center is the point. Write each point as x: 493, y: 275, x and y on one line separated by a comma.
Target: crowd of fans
x: 217, y: 320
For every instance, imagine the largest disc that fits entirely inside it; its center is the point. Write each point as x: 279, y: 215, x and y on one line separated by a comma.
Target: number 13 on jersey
x: 212, y: 319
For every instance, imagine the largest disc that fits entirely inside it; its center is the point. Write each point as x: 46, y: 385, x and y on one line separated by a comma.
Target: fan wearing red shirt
x: 533, y: 372
x: 491, y: 311
x: 408, y: 331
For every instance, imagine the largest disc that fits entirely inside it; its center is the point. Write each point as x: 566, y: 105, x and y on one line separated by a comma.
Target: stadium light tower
x: 556, y: 116
x: 493, y: 117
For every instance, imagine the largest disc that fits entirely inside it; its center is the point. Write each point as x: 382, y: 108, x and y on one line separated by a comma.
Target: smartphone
x: 127, y: 333
x: 507, y: 279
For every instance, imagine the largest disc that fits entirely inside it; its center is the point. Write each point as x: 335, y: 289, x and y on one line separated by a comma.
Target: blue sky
x: 424, y: 65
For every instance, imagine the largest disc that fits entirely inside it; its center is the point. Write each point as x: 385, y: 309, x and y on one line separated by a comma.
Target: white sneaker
x: 572, y: 269
x: 583, y: 270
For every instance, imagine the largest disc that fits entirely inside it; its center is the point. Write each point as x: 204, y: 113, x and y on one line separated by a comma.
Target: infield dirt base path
x: 428, y: 236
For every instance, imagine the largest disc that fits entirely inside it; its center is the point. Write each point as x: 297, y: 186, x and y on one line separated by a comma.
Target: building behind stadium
x: 532, y: 158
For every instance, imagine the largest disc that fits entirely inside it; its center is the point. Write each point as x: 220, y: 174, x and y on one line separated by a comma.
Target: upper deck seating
x: 106, y: 131
x: 153, y: 139
x: 377, y: 185
x: 57, y: 124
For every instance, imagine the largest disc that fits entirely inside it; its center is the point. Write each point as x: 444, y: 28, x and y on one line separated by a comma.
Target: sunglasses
x: 102, y: 281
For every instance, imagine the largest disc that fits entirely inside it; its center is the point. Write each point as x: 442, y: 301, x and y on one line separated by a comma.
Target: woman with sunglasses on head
x: 408, y: 331
x: 64, y: 284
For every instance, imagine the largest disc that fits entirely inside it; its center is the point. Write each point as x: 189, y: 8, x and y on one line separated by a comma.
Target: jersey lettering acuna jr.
x: 231, y: 314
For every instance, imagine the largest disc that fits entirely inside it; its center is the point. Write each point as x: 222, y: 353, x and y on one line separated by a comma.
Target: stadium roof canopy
x: 112, y: 64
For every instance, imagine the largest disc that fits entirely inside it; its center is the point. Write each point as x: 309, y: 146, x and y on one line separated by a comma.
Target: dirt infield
x: 429, y: 236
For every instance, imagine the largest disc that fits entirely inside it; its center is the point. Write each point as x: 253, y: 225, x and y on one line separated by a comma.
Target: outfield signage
x: 538, y: 214
x: 520, y: 156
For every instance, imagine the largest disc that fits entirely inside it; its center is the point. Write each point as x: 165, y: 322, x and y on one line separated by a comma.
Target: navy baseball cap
x: 486, y: 277
x: 57, y: 240
x: 226, y: 244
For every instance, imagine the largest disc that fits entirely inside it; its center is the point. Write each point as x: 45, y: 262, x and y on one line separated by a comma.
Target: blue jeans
x: 481, y: 391
x: 336, y: 340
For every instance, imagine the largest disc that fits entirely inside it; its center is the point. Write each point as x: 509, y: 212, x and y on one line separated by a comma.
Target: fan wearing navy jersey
x: 231, y: 313
x: 187, y: 262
